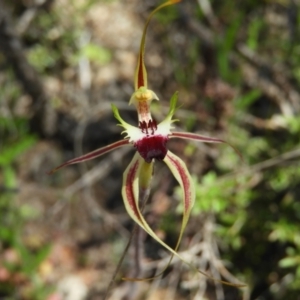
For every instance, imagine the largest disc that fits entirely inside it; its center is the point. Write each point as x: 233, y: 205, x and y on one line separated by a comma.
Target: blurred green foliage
x: 15, y: 140
x: 257, y: 208
x: 256, y: 205
x: 13, y: 218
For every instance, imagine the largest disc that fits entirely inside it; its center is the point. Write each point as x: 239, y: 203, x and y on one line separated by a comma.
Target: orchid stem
x: 136, y: 234
x: 138, y: 253
x: 113, y: 279
x: 138, y: 248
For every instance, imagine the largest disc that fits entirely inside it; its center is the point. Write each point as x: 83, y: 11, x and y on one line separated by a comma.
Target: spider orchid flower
x: 150, y: 141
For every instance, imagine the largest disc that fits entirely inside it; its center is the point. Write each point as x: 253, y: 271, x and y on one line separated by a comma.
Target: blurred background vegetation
x: 236, y: 65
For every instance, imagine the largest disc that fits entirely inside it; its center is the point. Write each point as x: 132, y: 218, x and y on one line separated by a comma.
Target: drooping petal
x: 92, y: 154
x: 202, y: 138
x: 130, y: 189
x: 130, y: 193
x: 182, y: 175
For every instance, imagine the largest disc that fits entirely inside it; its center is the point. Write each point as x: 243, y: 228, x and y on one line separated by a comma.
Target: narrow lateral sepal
x: 92, y: 155
x: 202, y: 138
x: 196, y: 137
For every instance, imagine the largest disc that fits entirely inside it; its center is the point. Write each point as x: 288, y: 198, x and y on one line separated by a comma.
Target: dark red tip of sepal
x: 140, y: 75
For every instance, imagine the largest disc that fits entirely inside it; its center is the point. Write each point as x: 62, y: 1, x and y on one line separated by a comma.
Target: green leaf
x: 10, y: 179
x: 244, y: 101
x: 10, y: 152
x: 253, y: 33
x: 225, y: 46
x: 288, y: 262
x: 42, y: 57
x: 96, y: 53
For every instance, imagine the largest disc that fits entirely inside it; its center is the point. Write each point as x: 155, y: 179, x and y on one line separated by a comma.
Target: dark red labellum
x: 153, y: 146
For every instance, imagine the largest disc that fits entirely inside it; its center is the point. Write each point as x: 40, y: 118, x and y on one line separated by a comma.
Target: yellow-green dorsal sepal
x: 140, y: 79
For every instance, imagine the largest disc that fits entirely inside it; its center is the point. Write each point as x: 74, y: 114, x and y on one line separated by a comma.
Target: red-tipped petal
x: 182, y: 175
x: 92, y: 154
x: 130, y: 193
x: 130, y: 188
